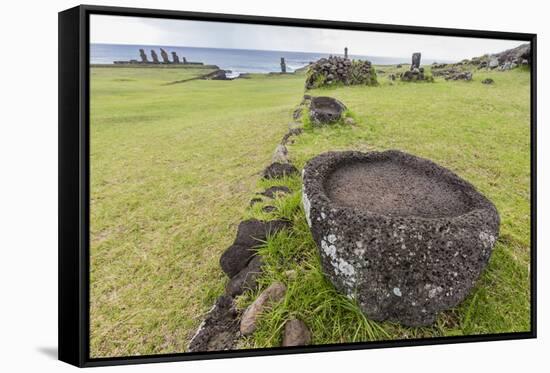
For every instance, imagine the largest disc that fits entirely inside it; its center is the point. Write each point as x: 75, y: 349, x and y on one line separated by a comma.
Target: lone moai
x: 346, y: 53
x: 164, y: 56
x: 175, y: 57
x: 415, y: 61
x: 143, y: 56
x: 154, y: 56
x: 183, y: 60
x: 283, y: 65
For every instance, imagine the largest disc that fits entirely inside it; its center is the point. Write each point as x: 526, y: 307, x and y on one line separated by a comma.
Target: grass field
x: 174, y: 166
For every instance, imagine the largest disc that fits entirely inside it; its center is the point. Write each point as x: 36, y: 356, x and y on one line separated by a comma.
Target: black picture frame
x: 73, y: 249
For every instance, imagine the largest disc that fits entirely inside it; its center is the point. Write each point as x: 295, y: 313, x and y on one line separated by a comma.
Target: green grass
x: 173, y: 169
x: 480, y: 132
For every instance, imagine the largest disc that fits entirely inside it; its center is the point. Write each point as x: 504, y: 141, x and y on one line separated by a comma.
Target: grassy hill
x: 174, y: 167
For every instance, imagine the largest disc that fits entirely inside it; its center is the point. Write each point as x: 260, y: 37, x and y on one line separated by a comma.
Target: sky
x: 181, y: 33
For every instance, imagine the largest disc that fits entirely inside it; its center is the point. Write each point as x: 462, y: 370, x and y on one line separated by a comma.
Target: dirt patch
x: 388, y: 188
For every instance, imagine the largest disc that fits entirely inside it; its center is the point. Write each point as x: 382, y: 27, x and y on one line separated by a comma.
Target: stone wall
x: 340, y: 70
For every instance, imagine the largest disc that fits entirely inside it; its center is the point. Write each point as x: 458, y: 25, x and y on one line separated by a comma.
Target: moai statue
x: 154, y: 56
x: 143, y: 56
x: 415, y: 61
x: 183, y: 60
x: 175, y: 57
x: 346, y: 53
x: 164, y: 56
x: 283, y: 65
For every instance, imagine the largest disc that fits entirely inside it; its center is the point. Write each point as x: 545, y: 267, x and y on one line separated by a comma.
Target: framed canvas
x: 232, y: 186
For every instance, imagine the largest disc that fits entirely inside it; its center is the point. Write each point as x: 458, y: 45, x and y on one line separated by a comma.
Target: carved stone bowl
x: 325, y: 110
x: 402, y: 235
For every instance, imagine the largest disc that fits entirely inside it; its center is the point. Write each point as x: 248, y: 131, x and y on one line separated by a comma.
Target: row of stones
x: 416, y: 73
x: 450, y: 74
x: 224, y: 324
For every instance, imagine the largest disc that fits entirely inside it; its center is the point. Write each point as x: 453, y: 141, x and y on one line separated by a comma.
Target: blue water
x: 237, y: 60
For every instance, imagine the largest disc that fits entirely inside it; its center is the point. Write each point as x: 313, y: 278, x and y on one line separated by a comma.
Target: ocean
x: 237, y: 60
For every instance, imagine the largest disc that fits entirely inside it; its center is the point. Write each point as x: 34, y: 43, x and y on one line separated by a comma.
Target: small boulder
x: 278, y: 170
x: 273, y: 191
x: 246, y: 279
x: 487, y: 81
x: 235, y: 258
x: 465, y: 75
x: 254, y: 200
x: 296, y: 334
x: 273, y: 294
x: 280, y: 155
x: 216, y: 75
x: 291, y: 132
x: 325, y: 110
x: 415, y: 74
x: 269, y: 209
x: 250, y: 234
x: 219, y: 330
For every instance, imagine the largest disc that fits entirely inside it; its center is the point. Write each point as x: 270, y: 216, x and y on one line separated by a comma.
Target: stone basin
x: 325, y: 110
x: 402, y: 235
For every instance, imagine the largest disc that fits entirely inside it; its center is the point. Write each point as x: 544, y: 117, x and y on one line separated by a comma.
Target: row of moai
x: 163, y: 55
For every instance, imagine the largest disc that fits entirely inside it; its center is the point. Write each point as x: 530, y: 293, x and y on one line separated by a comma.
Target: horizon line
x: 262, y: 50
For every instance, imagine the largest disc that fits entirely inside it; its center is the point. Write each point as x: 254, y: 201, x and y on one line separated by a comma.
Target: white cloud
x: 169, y: 32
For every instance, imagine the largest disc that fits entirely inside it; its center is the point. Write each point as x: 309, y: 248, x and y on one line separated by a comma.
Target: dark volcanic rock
x: 487, y: 81
x: 296, y: 333
x: 512, y: 58
x: 416, y: 74
x: 291, y: 132
x: 407, y: 238
x: 269, y: 209
x: 278, y: 170
x: 246, y: 279
x: 215, y: 75
x: 272, y: 192
x: 254, y: 200
x: 465, y: 75
x: 250, y: 234
x: 445, y: 72
x: 219, y: 330
x: 235, y: 258
x: 325, y: 110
